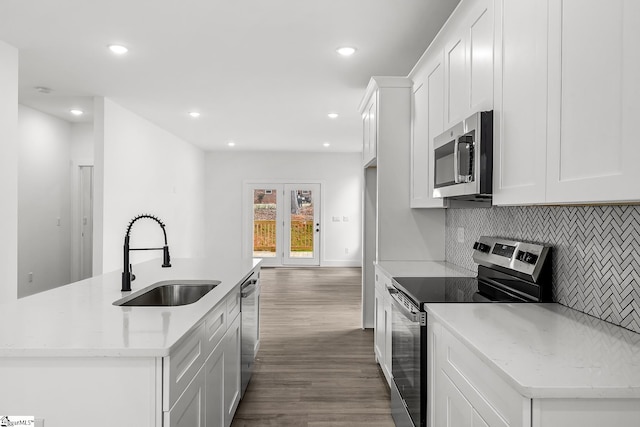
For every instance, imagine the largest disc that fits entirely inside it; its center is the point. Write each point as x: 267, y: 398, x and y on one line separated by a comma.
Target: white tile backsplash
x: 596, y: 251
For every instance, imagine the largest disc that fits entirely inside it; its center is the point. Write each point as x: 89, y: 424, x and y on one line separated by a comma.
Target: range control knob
x: 527, y: 257
x: 481, y: 247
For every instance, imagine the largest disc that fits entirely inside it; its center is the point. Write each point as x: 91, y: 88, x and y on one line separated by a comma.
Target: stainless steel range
x: 508, y: 271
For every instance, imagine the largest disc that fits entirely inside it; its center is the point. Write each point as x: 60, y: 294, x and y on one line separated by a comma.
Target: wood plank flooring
x: 316, y: 366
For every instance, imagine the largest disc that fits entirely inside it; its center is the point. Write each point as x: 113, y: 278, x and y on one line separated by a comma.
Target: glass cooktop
x: 437, y: 289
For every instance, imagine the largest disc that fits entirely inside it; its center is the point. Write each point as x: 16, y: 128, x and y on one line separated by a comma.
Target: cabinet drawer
x: 496, y: 401
x: 181, y: 366
x: 233, y: 303
x: 215, y: 327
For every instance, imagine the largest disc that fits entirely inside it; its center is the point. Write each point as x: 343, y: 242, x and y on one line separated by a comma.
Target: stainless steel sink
x: 169, y: 293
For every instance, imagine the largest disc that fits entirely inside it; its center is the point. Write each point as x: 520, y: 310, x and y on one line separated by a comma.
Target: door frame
x: 247, y: 220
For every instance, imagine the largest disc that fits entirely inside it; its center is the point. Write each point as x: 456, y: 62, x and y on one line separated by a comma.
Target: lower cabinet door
x: 214, y: 388
x: 454, y: 410
x: 189, y: 409
x: 232, y: 372
x: 379, y: 328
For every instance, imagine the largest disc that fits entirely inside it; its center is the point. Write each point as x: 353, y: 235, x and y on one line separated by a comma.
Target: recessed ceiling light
x: 346, y: 50
x: 194, y: 114
x: 76, y: 112
x: 43, y: 89
x: 332, y: 115
x: 326, y: 144
x: 118, y: 49
x: 231, y: 144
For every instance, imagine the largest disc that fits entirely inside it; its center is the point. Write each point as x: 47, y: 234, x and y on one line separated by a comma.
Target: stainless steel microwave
x: 463, y: 159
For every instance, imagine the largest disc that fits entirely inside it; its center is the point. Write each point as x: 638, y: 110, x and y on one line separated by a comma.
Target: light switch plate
x: 460, y: 234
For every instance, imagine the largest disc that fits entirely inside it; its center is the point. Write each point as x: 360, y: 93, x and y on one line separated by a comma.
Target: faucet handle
x: 133, y: 276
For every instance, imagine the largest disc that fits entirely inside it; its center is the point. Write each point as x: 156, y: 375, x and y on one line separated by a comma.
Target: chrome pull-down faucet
x: 127, y: 272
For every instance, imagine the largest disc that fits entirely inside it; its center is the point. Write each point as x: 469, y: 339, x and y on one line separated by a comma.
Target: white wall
x: 44, y: 201
x: 146, y: 170
x: 8, y: 171
x: 339, y: 174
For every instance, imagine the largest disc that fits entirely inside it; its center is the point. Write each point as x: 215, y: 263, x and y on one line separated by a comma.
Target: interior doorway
x: 284, y: 227
x: 85, y: 187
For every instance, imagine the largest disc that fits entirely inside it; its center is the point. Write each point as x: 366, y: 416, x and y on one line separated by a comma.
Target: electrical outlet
x: 30, y: 277
x: 345, y: 219
x: 460, y: 234
x: 346, y: 250
x: 335, y: 218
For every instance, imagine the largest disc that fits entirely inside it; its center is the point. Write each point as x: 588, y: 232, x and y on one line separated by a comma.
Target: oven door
x: 407, y: 364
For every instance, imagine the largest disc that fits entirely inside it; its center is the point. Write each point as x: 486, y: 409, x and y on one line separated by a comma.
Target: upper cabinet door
x: 520, y: 119
x: 468, y: 60
x: 456, y: 80
x: 480, y: 51
x: 594, y: 87
x: 427, y: 121
x: 370, y: 131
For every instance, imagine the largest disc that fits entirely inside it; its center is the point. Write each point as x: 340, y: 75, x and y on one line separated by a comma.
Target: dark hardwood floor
x: 315, y: 366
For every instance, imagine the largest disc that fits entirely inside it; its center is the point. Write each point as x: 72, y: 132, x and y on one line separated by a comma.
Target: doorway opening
x: 284, y: 226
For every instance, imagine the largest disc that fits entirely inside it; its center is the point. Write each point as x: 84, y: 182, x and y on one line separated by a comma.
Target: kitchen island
x: 70, y: 357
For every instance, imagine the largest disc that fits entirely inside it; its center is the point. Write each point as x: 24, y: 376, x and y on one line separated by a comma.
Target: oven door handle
x: 411, y: 315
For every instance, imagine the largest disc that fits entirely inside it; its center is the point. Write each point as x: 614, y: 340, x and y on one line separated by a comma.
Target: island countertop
x: 80, y: 320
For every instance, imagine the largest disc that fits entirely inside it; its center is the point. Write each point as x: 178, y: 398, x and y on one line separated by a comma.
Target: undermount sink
x: 169, y: 293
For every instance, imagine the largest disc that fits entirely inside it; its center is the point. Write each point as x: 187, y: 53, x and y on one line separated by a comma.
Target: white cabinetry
x: 382, y: 328
x: 594, y: 87
x: 520, y: 118
x: 468, y: 60
x: 566, y: 90
x: 466, y: 392
x: 201, y: 376
x: 452, y: 80
x: 392, y: 231
x: 427, y: 121
x: 232, y: 346
x: 214, y: 383
x: 370, y: 130
x: 189, y: 410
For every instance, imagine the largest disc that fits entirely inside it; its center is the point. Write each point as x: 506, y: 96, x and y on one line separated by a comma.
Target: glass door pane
x: 265, y: 203
x: 301, y: 223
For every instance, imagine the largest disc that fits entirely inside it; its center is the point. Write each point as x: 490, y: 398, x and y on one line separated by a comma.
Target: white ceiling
x: 263, y: 73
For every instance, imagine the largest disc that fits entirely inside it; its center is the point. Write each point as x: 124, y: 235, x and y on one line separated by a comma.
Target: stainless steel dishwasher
x: 250, y: 308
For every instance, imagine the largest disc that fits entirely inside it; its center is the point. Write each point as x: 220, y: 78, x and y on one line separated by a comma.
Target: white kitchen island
x: 70, y: 357
x: 530, y: 365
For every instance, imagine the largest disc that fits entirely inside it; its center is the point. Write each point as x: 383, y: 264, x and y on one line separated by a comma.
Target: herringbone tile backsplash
x: 596, y: 252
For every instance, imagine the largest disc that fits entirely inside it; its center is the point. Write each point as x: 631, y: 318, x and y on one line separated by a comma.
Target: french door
x: 285, y: 223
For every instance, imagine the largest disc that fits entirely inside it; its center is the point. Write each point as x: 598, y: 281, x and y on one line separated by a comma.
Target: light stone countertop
x: 79, y: 319
x: 548, y: 350
x: 423, y: 269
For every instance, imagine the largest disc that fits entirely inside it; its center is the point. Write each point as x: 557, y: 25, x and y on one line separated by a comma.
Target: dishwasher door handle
x: 249, y: 289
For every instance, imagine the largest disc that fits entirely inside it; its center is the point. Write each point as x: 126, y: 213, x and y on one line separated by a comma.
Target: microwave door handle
x: 456, y: 161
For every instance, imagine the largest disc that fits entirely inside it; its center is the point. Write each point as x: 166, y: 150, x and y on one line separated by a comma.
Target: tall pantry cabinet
x: 392, y: 231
